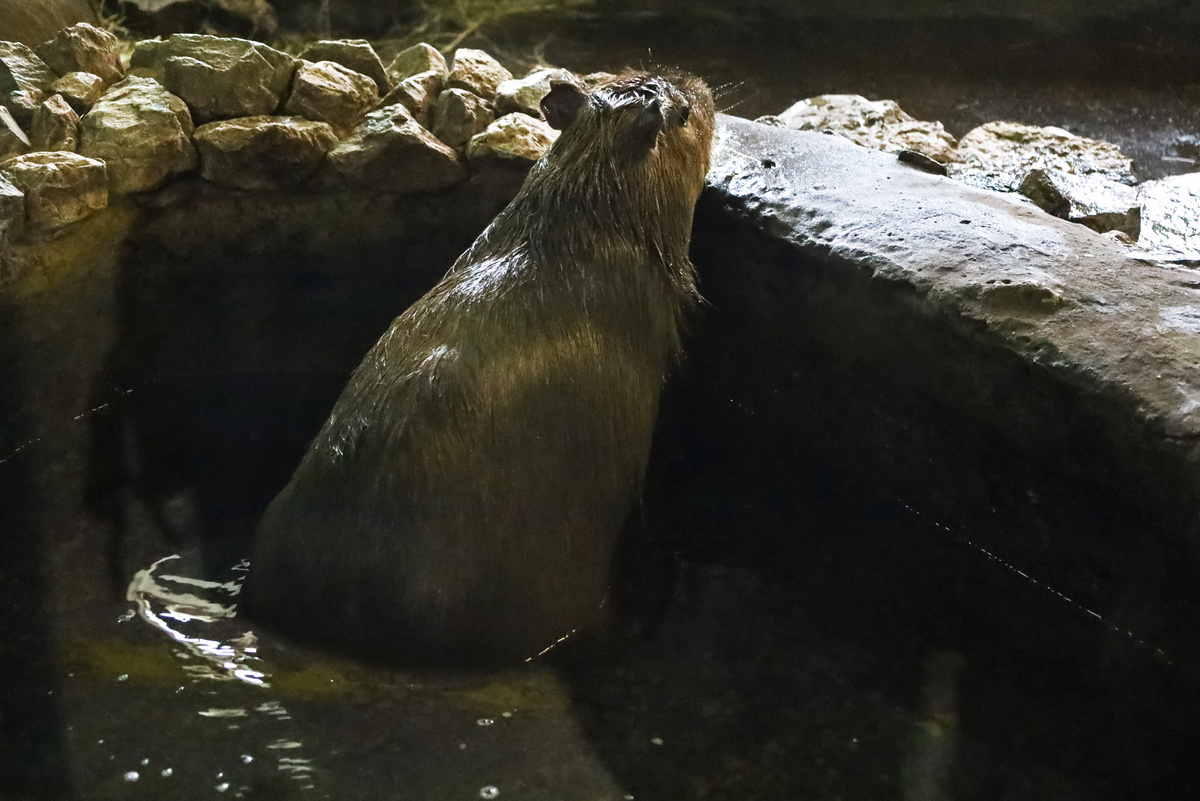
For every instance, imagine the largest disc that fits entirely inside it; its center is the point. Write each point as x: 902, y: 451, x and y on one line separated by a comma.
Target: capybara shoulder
x: 463, y: 500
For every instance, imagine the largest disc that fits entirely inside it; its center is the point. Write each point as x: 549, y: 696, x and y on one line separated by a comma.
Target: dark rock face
x: 955, y: 350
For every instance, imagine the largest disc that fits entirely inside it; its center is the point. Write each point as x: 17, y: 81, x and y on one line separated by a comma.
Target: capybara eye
x: 684, y: 113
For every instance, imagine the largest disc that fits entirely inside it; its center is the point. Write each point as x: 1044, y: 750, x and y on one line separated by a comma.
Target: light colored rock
x: 877, y: 124
x: 1000, y: 154
x: 459, y: 115
x: 12, y: 211
x: 148, y: 59
x: 415, y: 60
x: 220, y: 78
x: 263, y: 152
x: 390, y: 152
x: 326, y: 91
x: 525, y: 94
x: 418, y: 94
x: 354, y: 54
x: 55, y: 125
x: 24, y: 80
x: 83, y: 48
x: 13, y: 139
x: 80, y: 89
x: 515, y: 138
x: 142, y: 132
x: 60, y: 188
x: 1090, y: 200
x: 477, y: 72
x: 1171, y: 214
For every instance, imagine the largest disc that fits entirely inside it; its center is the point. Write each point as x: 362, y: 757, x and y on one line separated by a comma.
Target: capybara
x: 463, y: 501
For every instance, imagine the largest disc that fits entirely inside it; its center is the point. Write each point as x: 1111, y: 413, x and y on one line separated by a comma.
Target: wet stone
x: 877, y: 124
x: 418, y: 94
x: 81, y: 90
x: 24, y: 80
x: 354, y: 54
x: 415, y: 60
x: 12, y: 211
x: 263, y: 152
x: 13, y: 139
x: 60, y: 188
x: 221, y: 78
x: 390, y: 152
x: 83, y: 48
x: 326, y: 91
x: 55, y: 125
x: 477, y: 72
x: 525, y: 94
x: 998, y: 155
x: 459, y: 115
x: 514, y: 138
x: 142, y: 132
x: 1090, y: 200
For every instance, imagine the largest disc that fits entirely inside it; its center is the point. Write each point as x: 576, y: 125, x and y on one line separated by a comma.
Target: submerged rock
x: 60, y: 188
x: 221, y: 78
x: 459, y: 115
x: 142, y: 132
x: 415, y: 60
x: 1090, y: 200
x: 390, y: 152
x: 55, y: 125
x: 330, y: 92
x: 13, y: 139
x: 477, y: 72
x: 354, y: 54
x: 525, y: 94
x: 263, y: 152
x: 83, y: 48
x: 998, y: 155
x: 80, y: 89
x: 24, y: 80
x: 514, y: 138
x: 877, y: 124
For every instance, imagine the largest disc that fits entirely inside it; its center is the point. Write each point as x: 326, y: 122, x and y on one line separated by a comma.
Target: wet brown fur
x: 464, y: 498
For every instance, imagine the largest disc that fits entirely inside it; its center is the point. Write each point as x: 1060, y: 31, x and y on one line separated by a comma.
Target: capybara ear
x: 646, y: 126
x: 561, y: 105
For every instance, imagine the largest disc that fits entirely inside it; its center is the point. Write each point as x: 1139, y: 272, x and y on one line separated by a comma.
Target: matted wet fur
x: 463, y: 500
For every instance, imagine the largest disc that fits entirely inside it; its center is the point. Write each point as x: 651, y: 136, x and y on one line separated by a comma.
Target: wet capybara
x: 463, y: 501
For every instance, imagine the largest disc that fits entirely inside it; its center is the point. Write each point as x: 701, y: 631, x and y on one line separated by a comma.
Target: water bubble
x: 247, y: 758
x: 490, y: 791
x: 123, y: 677
x: 656, y: 740
x: 484, y: 722
x: 222, y: 787
x: 145, y: 760
x: 132, y: 776
x: 167, y: 772
x: 506, y: 714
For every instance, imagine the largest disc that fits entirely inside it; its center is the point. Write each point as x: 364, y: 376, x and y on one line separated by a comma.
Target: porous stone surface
x: 13, y: 139
x: 417, y: 93
x: 55, y: 125
x: 142, y: 131
x: 326, y: 91
x: 12, y: 211
x: 80, y: 89
x: 1171, y: 215
x: 525, y: 94
x: 83, y: 48
x: 220, y: 78
x: 998, y: 155
x: 263, y: 152
x: 514, y: 138
x: 390, y: 152
x: 1090, y: 200
x: 477, y: 72
x: 877, y: 124
x: 354, y: 54
x: 458, y: 115
x: 60, y: 188
x: 960, y: 351
x: 415, y: 60
x: 24, y: 80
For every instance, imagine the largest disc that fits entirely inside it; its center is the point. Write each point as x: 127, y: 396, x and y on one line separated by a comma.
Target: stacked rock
x: 76, y: 126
